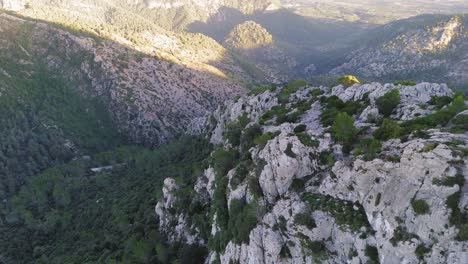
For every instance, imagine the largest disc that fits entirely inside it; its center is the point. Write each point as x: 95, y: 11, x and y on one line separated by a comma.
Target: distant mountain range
x: 428, y: 47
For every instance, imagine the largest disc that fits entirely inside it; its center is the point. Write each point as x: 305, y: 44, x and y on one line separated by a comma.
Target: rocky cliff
x: 282, y: 187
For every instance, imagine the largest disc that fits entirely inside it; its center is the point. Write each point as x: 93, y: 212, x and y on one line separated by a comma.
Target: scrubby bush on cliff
x: 343, y: 130
x: 333, y: 105
x: 369, y: 147
x: 420, y: 207
x: 439, y: 118
x: 389, y: 129
x: 440, y: 101
x: 387, y: 103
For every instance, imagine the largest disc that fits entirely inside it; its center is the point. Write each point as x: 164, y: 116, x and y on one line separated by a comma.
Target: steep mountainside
x: 169, y: 14
x: 255, y: 43
x: 151, y: 96
x: 283, y: 187
x: 431, y: 48
x: 66, y: 93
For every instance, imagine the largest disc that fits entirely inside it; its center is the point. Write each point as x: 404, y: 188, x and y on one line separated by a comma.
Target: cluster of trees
x: 71, y: 216
x: 43, y: 123
x: 26, y: 148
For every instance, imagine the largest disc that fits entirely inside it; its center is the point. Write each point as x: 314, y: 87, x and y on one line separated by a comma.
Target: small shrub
x: 372, y: 253
x: 305, y: 219
x: 401, y: 234
x: 248, y: 137
x: 277, y: 111
x: 297, y: 185
x: 461, y: 122
x: 316, y: 92
x: 326, y: 158
x: 450, y: 181
x: 289, y: 151
x: 420, y: 207
x: 343, y: 211
x: 421, y: 250
x: 223, y: 160
x: 263, y: 139
x: 421, y: 134
x: 389, y: 129
x: 369, y: 147
x: 393, y: 158
x: 300, y: 128
x: 332, y: 106
x: 328, y: 115
x: 234, y: 130
x: 440, y: 101
x: 377, y: 199
x: 285, y: 253
x: 314, y: 248
x: 429, y: 147
x: 353, y: 253
x: 387, y: 103
x: 463, y: 232
x: 306, y: 140
x: 343, y: 129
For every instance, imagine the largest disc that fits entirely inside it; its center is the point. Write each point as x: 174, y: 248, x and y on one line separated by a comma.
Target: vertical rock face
x: 313, y: 203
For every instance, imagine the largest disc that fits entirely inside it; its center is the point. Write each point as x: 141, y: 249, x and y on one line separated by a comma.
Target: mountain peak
x: 248, y: 35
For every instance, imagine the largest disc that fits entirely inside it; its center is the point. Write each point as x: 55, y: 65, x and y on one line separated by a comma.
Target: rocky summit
x: 282, y: 188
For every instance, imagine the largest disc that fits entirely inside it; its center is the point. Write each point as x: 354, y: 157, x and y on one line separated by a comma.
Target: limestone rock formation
x: 313, y: 202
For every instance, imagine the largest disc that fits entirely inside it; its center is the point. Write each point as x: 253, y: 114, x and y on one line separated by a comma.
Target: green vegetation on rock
x: 420, y: 207
x: 388, y: 130
x: 387, y: 103
x: 343, y: 130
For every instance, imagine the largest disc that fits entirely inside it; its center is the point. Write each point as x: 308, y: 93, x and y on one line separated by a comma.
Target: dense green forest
x: 69, y: 215
x: 43, y: 122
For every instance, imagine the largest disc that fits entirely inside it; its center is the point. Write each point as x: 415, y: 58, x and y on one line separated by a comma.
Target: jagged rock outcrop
x: 315, y: 202
x: 176, y: 223
x: 282, y: 168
